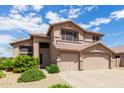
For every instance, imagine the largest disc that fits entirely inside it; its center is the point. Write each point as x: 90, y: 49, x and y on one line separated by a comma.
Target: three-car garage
x: 96, y: 57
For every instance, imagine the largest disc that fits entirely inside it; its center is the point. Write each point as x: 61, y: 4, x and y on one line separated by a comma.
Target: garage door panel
x: 69, y: 62
x: 95, y: 61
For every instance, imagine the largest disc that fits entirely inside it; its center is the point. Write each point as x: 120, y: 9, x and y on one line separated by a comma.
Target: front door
x: 44, y: 54
x: 44, y: 57
x: 41, y: 59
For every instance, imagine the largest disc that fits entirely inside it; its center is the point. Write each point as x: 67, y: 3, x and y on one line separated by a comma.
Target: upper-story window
x: 68, y: 35
x: 117, y: 56
x: 96, y: 38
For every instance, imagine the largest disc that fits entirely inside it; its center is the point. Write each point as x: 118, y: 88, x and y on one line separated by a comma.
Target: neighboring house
x: 119, y: 50
x: 69, y: 46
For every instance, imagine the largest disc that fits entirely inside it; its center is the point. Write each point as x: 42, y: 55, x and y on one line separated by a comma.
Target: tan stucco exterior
x: 16, y: 51
x: 79, y: 55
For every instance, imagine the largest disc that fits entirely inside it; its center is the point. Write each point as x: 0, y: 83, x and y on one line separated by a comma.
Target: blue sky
x: 16, y: 22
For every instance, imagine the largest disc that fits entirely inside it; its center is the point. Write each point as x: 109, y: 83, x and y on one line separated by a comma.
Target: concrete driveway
x: 107, y: 78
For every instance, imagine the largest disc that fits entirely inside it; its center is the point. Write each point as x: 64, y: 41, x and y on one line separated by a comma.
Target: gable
x: 70, y: 25
x: 98, y: 48
x: 67, y: 26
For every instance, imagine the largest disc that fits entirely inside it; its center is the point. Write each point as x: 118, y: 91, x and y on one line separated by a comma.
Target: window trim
x: 95, y: 38
x: 72, y: 32
x: 29, y: 49
x: 117, y: 56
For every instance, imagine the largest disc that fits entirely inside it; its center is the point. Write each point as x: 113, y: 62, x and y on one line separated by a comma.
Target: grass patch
x: 60, y: 86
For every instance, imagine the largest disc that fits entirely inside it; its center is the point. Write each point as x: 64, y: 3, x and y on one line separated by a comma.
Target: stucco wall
x: 118, y: 62
x: 97, y: 48
x: 121, y: 60
x: 56, y: 33
x: 16, y: 51
x: 53, y: 54
x: 88, y: 38
x: 36, y: 41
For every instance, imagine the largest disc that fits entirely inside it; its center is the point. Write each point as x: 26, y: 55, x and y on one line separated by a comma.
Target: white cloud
x: 96, y: 22
x: 54, y: 17
x: 85, y: 26
x: 31, y: 22
x: 74, y: 12
x: 23, y: 8
x: 64, y: 10
x: 89, y: 8
x: 19, y: 8
x: 37, y: 8
x: 5, y: 52
x: 96, y: 29
x: 117, y: 14
x: 114, y: 34
x: 114, y: 15
x: 99, y: 21
x: 6, y: 39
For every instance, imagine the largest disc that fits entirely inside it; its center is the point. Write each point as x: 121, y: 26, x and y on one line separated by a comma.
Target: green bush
x: 2, y: 61
x: 2, y: 75
x: 60, y: 86
x: 9, y: 64
x: 31, y: 75
x: 53, y: 68
x: 24, y: 62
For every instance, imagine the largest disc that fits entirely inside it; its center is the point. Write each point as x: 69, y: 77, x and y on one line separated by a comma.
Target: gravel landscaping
x: 11, y: 81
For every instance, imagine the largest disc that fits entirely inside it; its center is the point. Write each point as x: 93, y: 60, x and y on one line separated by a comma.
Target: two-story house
x: 67, y: 45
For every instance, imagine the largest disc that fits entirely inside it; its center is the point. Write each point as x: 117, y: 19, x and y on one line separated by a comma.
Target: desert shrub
x: 24, y: 62
x: 31, y: 75
x: 53, y: 68
x: 60, y: 86
x: 2, y: 75
x: 9, y: 64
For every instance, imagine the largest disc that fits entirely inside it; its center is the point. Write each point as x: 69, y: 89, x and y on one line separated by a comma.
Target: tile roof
x: 118, y: 49
x: 20, y: 40
x: 78, y: 47
x: 63, y: 22
x: 34, y: 35
x: 39, y: 35
x: 68, y: 46
x: 72, y: 46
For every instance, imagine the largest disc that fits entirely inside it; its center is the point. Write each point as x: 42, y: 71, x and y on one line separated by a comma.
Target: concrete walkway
x: 107, y: 78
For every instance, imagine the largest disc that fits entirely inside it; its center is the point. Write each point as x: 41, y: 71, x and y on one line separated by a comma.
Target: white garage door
x: 69, y: 62
x: 95, y: 61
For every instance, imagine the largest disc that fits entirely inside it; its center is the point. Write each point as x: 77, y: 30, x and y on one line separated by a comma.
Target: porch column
x: 80, y: 62
x: 58, y: 59
x: 36, y: 48
x: 110, y: 67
